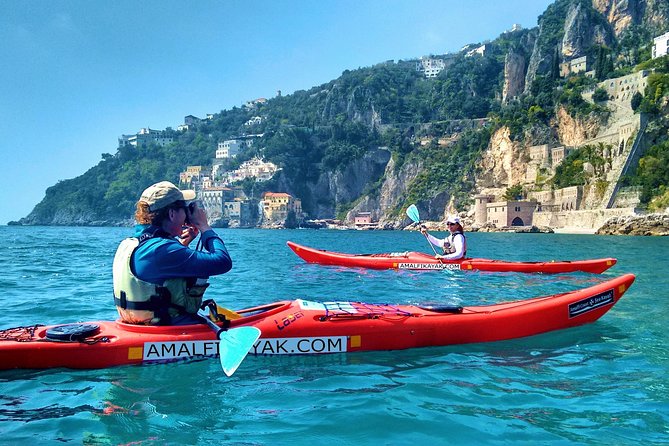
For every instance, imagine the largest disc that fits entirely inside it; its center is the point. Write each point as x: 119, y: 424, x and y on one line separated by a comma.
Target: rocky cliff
x: 574, y: 27
x: 515, y: 67
x: 582, y: 30
x: 341, y: 186
x: 393, y: 184
x: 622, y: 14
x: 502, y: 164
x: 575, y: 131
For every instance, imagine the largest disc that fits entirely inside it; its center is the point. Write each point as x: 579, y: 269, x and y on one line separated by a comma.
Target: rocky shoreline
x: 656, y: 224
x: 650, y: 224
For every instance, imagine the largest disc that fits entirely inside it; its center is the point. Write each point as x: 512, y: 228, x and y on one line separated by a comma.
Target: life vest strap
x: 156, y: 303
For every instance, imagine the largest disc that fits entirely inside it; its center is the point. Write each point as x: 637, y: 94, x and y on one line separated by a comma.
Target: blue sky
x: 77, y: 74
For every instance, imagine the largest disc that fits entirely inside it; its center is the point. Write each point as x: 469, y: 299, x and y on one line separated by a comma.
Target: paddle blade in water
x: 412, y: 213
x: 234, y: 345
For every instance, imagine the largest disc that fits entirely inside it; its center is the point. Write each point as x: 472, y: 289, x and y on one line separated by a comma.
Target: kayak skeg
x: 303, y: 327
x: 419, y: 261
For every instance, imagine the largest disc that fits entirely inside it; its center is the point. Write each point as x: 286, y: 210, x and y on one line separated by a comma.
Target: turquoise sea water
x: 604, y: 383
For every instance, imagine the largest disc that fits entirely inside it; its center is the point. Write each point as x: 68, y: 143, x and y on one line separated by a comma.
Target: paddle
x: 412, y: 213
x: 233, y: 344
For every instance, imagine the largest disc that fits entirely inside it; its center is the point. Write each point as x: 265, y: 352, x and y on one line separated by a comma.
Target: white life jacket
x: 141, y: 302
x: 137, y: 301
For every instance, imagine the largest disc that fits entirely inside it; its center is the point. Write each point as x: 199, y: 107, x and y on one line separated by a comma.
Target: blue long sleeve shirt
x: 162, y: 257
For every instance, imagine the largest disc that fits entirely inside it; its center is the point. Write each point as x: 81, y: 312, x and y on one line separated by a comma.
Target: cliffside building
x: 241, y: 213
x: 213, y: 198
x: 363, y: 220
x: 661, y: 45
x: 255, y: 103
x: 480, y: 50
x: 277, y: 205
x: 229, y: 148
x: 565, y: 199
x: 195, y: 177
x: 623, y: 88
x: 145, y: 136
x: 573, y: 66
x: 430, y: 66
x: 480, y: 208
x: 253, y: 168
x: 558, y: 154
x: 510, y: 213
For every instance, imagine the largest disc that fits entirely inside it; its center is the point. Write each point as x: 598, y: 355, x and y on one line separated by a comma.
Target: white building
x: 481, y: 51
x: 254, y: 120
x: 253, y: 168
x: 430, y: 66
x: 661, y: 45
x: 144, y: 137
x: 229, y: 148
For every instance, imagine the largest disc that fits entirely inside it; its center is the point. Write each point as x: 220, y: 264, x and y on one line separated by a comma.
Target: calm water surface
x: 606, y: 383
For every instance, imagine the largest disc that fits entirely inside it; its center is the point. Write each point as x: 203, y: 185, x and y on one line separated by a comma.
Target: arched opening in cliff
x: 517, y: 222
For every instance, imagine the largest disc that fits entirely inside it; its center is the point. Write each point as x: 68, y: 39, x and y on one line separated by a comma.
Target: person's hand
x: 198, y: 218
x: 438, y: 257
x: 188, y: 234
x: 423, y: 229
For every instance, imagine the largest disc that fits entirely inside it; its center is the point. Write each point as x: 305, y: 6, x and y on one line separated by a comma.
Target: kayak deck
x: 305, y: 327
x: 411, y: 260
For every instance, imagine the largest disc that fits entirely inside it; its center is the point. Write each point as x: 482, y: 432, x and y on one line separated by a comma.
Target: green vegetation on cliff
x: 428, y: 122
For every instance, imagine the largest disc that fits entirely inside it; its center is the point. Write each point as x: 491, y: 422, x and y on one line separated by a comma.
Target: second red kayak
x: 412, y: 260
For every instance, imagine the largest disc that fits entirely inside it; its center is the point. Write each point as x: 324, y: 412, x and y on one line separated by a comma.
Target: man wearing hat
x: 158, y: 279
x: 455, y: 245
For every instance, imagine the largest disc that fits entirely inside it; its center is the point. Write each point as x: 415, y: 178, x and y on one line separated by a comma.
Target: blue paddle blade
x: 412, y: 212
x: 234, y: 345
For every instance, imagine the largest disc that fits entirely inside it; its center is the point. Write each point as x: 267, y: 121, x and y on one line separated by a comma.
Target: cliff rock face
x: 656, y: 15
x: 622, y: 14
x: 500, y: 165
x: 358, y: 106
x: 540, y: 62
x: 396, y: 181
x: 575, y: 131
x: 347, y: 185
x: 581, y: 32
x: 514, y: 75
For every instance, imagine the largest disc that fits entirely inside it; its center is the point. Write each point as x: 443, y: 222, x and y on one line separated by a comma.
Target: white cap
x: 453, y: 219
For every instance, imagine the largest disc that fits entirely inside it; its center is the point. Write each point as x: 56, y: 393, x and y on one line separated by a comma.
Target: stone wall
x: 587, y: 220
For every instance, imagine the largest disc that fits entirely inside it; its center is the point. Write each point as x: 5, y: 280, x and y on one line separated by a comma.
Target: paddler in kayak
x: 454, y: 245
x: 158, y: 279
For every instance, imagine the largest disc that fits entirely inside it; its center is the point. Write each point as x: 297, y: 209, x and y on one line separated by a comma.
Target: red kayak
x: 420, y: 261
x: 304, y: 327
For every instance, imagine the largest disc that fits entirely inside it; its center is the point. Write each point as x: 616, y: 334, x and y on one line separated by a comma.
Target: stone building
x: 510, y: 213
x: 277, y: 205
x: 480, y: 211
x: 213, y: 199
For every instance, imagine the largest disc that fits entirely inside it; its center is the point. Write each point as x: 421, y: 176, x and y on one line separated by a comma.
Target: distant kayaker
x: 455, y: 245
x: 158, y: 279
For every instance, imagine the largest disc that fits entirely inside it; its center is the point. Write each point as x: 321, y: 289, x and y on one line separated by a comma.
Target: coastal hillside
x: 436, y: 130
